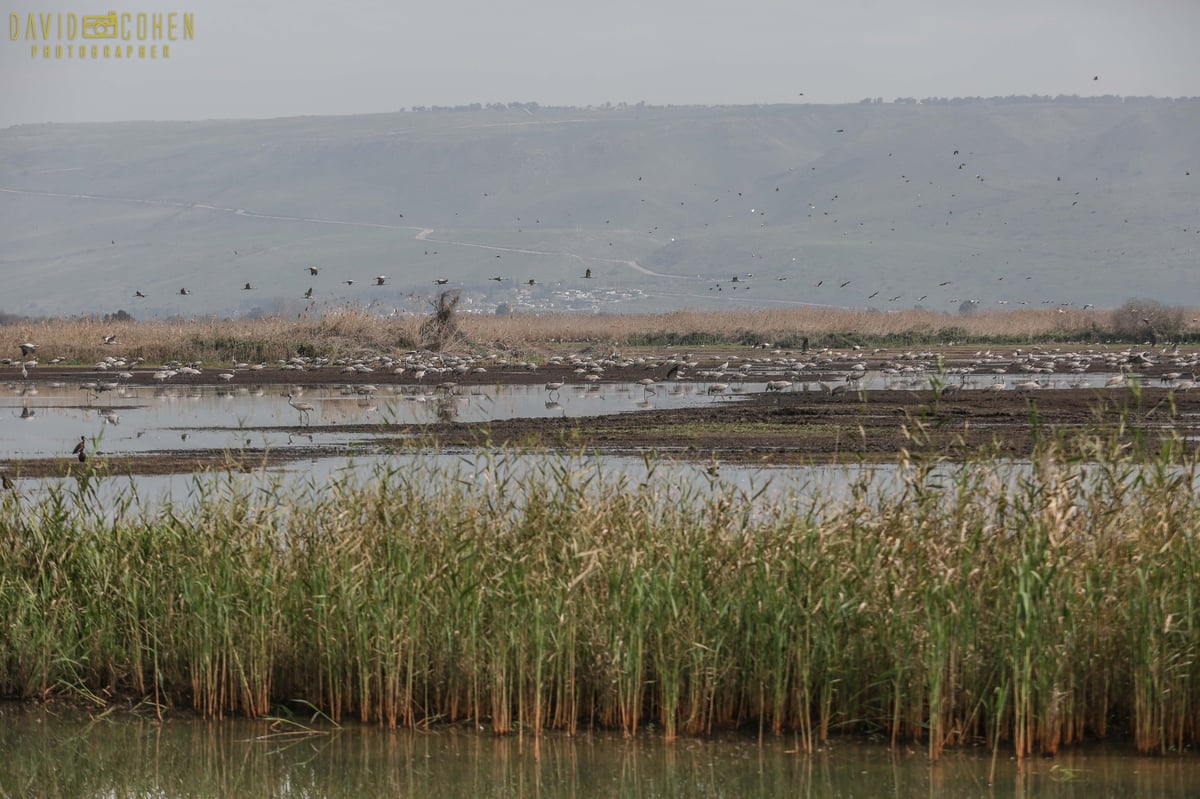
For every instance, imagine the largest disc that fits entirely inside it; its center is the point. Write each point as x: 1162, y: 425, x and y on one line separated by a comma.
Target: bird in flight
x: 139, y: 294
x: 441, y: 281
x: 184, y: 292
x: 247, y: 287
x: 348, y: 282
x: 380, y: 279
x: 587, y: 273
x: 308, y: 294
x: 497, y: 278
x: 312, y: 270
x: 532, y: 282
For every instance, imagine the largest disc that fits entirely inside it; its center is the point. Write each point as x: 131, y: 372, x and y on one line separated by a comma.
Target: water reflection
x: 49, y: 755
x: 164, y: 418
x: 38, y: 418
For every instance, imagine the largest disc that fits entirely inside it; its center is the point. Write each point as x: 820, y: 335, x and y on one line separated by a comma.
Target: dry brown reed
x: 345, y: 331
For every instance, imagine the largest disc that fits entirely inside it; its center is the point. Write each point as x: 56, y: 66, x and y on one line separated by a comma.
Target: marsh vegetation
x: 345, y: 331
x: 1024, y: 606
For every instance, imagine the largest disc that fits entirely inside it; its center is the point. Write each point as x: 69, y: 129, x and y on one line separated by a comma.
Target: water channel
x: 62, y: 754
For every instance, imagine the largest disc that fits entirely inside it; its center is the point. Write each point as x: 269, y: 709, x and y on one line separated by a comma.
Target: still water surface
x: 48, y: 755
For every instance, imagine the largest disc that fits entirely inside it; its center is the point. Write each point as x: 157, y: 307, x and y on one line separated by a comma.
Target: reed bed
x: 347, y: 331
x: 1026, y: 606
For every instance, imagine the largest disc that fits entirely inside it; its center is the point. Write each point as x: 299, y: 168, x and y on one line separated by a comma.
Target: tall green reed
x: 1030, y: 605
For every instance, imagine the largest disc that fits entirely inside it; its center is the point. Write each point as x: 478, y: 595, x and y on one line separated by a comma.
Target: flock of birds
x: 941, y: 188
x: 837, y: 373
x: 313, y: 271
x: 378, y: 280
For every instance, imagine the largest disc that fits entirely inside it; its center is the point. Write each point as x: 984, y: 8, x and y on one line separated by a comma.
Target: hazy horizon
x: 1087, y: 202
x: 887, y: 206
x: 275, y: 59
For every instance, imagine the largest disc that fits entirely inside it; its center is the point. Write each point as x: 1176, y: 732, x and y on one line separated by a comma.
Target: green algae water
x: 43, y: 754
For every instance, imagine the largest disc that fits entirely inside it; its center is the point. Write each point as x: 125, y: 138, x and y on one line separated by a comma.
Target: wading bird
x: 305, y: 408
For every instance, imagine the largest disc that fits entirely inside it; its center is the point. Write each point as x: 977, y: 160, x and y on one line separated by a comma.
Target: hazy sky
x: 267, y: 58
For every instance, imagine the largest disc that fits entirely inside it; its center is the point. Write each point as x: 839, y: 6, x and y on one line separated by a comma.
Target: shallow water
x: 761, y: 486
x: 49, y: 755
x: 39, y: 418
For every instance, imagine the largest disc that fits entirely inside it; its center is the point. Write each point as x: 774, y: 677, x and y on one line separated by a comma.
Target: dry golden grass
x: 345, y: 331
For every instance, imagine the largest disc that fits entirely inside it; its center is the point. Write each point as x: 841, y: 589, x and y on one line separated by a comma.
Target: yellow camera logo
x: 101, y: 27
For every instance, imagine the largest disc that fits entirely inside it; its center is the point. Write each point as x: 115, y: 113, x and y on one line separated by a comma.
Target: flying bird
x: 587, y: 273
x: 247, y: 287
x: 139, y: 294
x: 184, y: 292
x: 308, y: 294
x: 497, y: 278
x: 28, y: 348
x: 380, y: 279
x: 441, y: 281
x: 312, y: 270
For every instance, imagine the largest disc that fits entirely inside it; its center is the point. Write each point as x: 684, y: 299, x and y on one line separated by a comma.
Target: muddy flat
x: 821, y: 418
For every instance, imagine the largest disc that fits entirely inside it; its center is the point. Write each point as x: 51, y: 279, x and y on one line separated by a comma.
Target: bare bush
x: 440, y: 328
x: 1142, y: 319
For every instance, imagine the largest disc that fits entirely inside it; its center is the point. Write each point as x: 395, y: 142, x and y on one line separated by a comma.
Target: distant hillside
x: 931, y: 204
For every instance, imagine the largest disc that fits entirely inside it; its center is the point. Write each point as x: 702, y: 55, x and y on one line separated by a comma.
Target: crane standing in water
x: 305, y: 408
